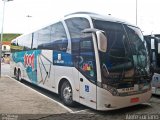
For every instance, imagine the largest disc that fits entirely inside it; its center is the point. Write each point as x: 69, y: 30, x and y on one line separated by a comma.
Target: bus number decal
x: 29, y: 60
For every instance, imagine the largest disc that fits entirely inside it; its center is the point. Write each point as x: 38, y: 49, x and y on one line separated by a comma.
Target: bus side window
x: 35, y: 39
x: 59, y: 39
x: 82, y: 47
x: 87, y: 63
x: 44, y: 37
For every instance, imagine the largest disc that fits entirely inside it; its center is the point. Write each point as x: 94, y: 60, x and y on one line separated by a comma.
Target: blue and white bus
x: 98, y: 61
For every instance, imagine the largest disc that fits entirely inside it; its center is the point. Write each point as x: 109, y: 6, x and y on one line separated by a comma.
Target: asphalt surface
x: 21, y: 101
x: 18, y: 99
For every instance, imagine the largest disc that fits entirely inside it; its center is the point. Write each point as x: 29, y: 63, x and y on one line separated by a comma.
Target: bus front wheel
x: 66, y: 94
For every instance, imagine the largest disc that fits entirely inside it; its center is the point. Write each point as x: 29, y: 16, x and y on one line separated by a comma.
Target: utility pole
x: 136, y: 10
x: 4, y: 1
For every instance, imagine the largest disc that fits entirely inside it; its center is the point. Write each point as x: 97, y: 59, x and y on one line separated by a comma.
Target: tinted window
x: 44, y: 36
x: 87, y: 64
x: 76, y: 25
x: 140, y: 56
x: 35, y: 40
x: 27, y: 42
x: 58, y: 32
x: 117, y: 45
x: 22, y: 43
x: 59, y: 37
x: 53, y: 38
x: 116, y: 62
x: 82, y: 47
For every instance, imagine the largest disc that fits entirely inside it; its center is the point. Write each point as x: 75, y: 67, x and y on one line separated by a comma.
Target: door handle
x: 81, y: 79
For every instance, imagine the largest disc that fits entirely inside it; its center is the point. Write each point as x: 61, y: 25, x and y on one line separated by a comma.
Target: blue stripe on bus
x: 62, y: 58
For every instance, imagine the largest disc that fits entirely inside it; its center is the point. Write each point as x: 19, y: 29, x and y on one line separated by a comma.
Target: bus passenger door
x: 87, y: 73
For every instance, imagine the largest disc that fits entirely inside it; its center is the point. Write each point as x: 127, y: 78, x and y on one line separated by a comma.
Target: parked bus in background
x: 98, y: 61
x: 153, y: 45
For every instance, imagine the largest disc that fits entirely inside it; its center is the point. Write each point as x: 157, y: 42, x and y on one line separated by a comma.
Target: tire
x: 66, y: 94
x: 19, y: 77
x: 15, y: 73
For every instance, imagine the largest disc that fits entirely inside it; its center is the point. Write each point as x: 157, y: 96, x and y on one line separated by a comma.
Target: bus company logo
x: 29, y: 60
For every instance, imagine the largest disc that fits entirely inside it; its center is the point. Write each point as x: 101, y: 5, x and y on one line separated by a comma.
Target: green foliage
x: 9, y: 36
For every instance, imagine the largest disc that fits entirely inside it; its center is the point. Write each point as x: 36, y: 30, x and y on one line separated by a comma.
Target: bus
x: 153, y: 45
x: 95, y: 60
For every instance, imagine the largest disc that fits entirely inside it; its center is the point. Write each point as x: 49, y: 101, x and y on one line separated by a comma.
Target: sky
x: 43, y: 12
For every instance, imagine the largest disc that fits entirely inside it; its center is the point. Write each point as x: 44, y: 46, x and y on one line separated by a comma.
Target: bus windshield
x: 125, y: 61
x: 139, y: 52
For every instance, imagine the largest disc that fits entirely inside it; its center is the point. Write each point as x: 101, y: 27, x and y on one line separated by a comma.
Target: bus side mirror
x: 102, y: 41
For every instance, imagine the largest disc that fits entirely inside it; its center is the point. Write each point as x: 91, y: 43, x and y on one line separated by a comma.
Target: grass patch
x: 9, y: 36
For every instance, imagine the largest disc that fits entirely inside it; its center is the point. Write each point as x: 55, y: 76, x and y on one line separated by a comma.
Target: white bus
x: 98, y: 61
x: 153, y: 45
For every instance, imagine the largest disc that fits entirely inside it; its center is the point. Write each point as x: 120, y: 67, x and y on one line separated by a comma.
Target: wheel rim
x: 67, y: 93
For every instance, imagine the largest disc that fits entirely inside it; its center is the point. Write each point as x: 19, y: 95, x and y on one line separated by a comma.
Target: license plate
x: 134, y: 100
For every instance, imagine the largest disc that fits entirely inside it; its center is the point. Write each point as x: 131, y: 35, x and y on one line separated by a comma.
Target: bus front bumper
x: 106, y: 101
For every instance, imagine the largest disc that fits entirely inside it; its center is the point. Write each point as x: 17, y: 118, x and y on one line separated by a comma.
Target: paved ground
x: 5, y: 69
x: 18, y: 99
x: 18, y: 102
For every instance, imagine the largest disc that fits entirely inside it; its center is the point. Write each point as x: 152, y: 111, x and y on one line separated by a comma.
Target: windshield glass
x: 123, y: 59
x: 138, y: 48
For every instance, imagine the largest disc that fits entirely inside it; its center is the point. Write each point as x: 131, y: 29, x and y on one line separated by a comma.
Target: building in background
x: 6, y: 48
x: 6, y: 45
